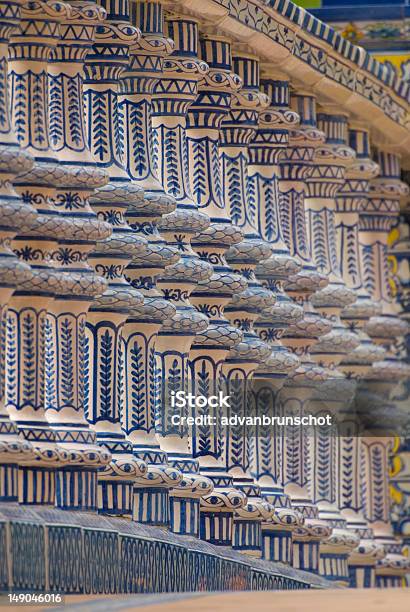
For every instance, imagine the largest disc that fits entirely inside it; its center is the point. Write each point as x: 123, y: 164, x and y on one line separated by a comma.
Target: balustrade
x: 237, y: 130
x: 140, y: 332
x: 175, y: 92
x: 108, y: 313
x: 376, y: 218
x: 211, y: 347
x: 264, y: 152
x: 293, y: 168
x: 182, y: 211
x: 327, y: 176
x: 13, y: 272
x: 350, y: 199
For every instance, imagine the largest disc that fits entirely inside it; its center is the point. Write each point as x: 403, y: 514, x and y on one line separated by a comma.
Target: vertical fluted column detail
x: 295, y: 168
x: 237, y: 129
x: 376, y: 451
x: 265, y: 149
x: 350, y: 199
x: 66, y: 352
x: 36, y: 244
x: 399, y: 254
x: 108, y: 312
x: 173, y: 95
x: 13, y: 212
x: 377, y: 216
x: 326, y: 178
x: 211, y: 347
x: 292, y: 270
x: 140, y: 332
